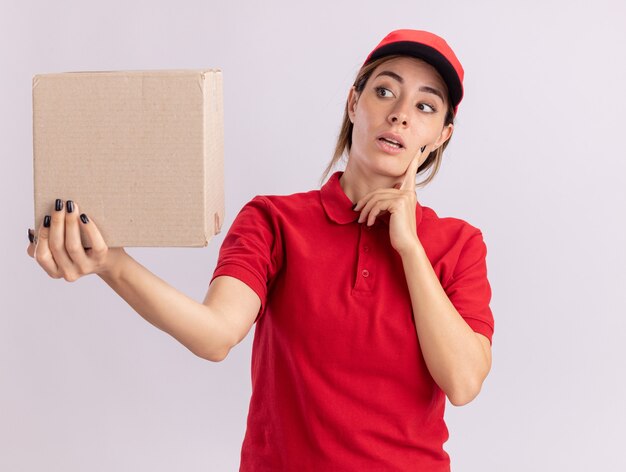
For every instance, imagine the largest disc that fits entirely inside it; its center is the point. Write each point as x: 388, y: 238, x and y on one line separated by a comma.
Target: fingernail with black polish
x: 46, y: 221
x: 58, y: 205
x: 70, y: 206
x: 31, y: 236
x: 84, y: 218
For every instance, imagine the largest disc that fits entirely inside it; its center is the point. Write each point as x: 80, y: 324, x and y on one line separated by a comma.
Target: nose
x: 398, y: 114
x: 395, y: 119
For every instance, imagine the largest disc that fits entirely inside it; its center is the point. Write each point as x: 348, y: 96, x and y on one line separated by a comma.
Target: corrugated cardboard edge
x: 32, y: 101
x: 214, y: 146
x: 37, y: 223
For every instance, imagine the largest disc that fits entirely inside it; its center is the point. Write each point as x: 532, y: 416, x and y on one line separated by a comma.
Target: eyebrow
x: 423, y: 88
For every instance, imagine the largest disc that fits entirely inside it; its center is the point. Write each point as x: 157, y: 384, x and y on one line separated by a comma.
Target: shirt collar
x: 338, y: 206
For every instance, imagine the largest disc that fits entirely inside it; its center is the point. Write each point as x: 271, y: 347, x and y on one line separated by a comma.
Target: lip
x: 393, y: 136
x: 388, y: 148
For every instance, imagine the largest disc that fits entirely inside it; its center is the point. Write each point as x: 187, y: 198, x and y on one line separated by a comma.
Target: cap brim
x: 430, y: 55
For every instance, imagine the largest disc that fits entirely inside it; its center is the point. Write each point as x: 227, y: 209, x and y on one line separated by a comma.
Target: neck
x: 356, y: 183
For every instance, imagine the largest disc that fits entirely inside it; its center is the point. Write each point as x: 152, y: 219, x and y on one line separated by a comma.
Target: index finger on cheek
x: 408, y: 183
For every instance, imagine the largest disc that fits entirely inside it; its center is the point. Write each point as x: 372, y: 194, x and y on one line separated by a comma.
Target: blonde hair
x: 344, y: 140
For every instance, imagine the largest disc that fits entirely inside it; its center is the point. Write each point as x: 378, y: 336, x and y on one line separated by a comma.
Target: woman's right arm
x: 208, y: 329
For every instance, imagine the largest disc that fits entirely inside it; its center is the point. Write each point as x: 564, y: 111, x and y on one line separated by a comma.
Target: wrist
x: 112, y: 268
x: 412, y: 250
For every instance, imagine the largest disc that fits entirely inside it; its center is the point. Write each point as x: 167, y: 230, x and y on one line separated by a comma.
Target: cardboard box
x: 140, y: 152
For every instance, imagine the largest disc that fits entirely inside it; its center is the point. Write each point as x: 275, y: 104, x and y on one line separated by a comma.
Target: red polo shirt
x: 339, y: 382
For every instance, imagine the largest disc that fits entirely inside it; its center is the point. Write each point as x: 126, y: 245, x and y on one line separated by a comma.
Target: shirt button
x: 366, y: 249
x: 365, y: 273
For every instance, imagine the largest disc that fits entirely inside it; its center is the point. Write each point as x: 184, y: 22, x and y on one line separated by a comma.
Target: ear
x: 353, y: 97
x: 446, y: 133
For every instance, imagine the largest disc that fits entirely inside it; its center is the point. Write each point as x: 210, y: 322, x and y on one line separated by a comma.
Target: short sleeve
x: 251, y: 250
x: 469, y: 290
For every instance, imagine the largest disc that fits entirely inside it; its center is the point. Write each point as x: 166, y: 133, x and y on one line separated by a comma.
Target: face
x: 404, y: 101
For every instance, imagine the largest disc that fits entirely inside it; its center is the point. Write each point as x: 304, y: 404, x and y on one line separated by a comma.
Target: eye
x: 383, y: 92
x: 422, y: 105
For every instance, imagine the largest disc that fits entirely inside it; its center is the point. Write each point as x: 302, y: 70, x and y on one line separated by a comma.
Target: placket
x: 365, y: 276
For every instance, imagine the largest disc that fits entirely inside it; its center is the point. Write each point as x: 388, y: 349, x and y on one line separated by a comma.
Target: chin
x: 376, y: 162
x: 390, y: 166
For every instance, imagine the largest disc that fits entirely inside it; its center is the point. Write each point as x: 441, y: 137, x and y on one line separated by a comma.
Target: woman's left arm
x: 457, y: 357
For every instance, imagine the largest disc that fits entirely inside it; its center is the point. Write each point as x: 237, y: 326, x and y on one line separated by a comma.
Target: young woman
x: 370, y: 309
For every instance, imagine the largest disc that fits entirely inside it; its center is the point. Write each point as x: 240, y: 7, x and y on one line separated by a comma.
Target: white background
x: 536, y: 162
